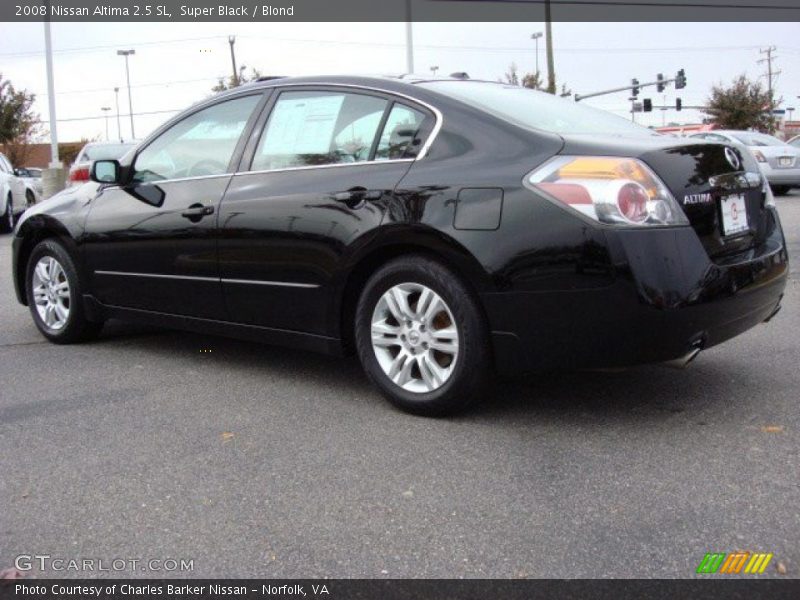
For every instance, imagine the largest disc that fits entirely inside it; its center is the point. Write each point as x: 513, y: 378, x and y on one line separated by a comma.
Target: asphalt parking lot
x: 254, y: 461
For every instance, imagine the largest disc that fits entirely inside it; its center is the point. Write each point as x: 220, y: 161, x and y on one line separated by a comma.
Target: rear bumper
x: 667, y: 297
x: 781, y: 176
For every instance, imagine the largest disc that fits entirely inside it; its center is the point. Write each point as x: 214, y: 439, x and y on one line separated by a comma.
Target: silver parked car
x: 779, y: 161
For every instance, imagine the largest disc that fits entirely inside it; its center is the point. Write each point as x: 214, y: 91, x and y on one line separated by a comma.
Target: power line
x: 136, y: 114
x: 140, y: 85
x: 90, y: 49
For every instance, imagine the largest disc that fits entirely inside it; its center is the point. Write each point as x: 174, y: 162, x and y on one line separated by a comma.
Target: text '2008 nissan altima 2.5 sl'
x: 442, y: 229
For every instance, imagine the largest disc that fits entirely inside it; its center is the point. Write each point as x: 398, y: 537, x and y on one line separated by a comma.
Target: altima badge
x: 697, y: 198
x: 733, y: 158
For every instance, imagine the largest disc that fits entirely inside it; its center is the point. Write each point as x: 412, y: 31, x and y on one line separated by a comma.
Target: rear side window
x: 400, y: 137
x: 312, y: 128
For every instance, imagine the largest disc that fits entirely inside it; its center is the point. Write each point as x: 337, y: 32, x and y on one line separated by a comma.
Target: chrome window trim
x: 330, y: 166
x: 195, y: 178
x: 212, y: 279
x: 437, y: 115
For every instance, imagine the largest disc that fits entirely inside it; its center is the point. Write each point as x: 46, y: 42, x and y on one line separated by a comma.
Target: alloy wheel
x: 51, y: 292
x: 415, y: 337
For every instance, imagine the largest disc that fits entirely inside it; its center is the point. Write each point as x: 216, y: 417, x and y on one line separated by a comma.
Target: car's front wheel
x: 422, y: 338
x: 55, y: 295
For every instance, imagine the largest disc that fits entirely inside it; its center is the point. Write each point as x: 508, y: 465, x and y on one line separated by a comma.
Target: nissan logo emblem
x: 733, y: 158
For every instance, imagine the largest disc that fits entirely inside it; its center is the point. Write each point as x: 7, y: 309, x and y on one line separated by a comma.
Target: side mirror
x: 105, y: 171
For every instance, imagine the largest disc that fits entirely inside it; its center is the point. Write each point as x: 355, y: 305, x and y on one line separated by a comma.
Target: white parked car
x: 779, y: 161
x: 32, y: 178
x: 12, y: 195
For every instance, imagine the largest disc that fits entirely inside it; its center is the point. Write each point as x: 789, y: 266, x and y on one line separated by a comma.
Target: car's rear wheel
x: 422, y: 338
x: 55, y: 295
x: 780, y: 190
x: 7, y: 220
x: 30, y: 198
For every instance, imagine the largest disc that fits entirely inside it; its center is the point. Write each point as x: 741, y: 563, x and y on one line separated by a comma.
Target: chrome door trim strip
x: 156, y: 275
x: 277, y: 283
x: 214, y: 279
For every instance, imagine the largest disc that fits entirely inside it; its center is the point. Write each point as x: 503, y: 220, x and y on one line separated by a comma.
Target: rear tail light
x: 759, y: 156
x: 617, y: 191
x: 79, y: 175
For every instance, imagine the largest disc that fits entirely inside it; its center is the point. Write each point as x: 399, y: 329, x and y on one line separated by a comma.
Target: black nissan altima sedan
x: 444, y: 230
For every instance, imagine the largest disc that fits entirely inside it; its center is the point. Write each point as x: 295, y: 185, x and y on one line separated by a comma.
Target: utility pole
x: 127, y: 54
x: 119, y: 124
x: 551, y: 68
x: 235, y: 79
x: 105, y: 110
x: 409, y: 40
x: 53, y: 177
x: 771, y: 75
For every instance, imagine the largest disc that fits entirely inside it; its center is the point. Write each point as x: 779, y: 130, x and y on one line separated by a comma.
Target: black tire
x: 76, y: 328
x: 7, y: 219
x: 780, y: 190
x: 471, y: 373
x: 30, y: 198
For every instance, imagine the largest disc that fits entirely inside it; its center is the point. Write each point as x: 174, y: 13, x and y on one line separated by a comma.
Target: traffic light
x: 635, y: 87
x: 647, y: 105
x: 660, y: 85
x: 678, y: 104
x: 680, y: 80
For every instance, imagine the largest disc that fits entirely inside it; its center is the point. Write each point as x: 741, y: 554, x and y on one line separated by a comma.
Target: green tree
x: 19, y: 124
x: 229, y: 83
x: 533, y: 81
x: 745, y: 104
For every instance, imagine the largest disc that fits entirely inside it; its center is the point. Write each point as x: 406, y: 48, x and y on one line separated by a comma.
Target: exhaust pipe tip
x: 683, y: 361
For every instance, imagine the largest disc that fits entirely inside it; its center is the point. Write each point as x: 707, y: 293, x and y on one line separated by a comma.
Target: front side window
x: 318, y: 128
x: 400, y: 136
x: 201, y: 144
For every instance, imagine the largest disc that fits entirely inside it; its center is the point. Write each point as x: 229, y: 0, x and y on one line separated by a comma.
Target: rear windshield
x: 758, y: 139
x: 104, y: 152
x: 537, y: 110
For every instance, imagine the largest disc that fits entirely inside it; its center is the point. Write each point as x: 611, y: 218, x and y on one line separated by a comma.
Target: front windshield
x: 758, y: 139
x: 537, y: 110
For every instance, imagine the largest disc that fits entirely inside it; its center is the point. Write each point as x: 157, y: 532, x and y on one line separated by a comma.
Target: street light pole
x: 119, y: 125
x: 126, y: 54
x: 535, y: 37
x: 409, y: 40
x: 105, y: 110
x: 434, y: 69
x: 235, y: 80
x: 51, y: 94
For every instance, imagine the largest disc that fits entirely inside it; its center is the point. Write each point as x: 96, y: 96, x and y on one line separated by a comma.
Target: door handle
x: 357, y: 194
x: 197, y: 211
